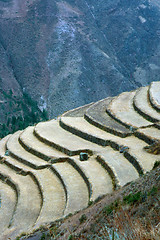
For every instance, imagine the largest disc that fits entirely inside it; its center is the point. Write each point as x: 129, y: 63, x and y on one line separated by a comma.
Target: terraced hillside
x: 43, y: 173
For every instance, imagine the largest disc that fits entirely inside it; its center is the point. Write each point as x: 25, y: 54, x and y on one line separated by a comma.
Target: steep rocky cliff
x: 68, y: 53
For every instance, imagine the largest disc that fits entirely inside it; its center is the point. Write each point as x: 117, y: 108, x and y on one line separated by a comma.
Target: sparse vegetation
x: 108, y: 209
x: 43, y: 237
x: 153, y: 191
x: 83, y: 218
x: 132, y: 198
x: 112, y: 207
x: 70, y: 237
x: 22, y: 112
x: 156, y: 164
x: 90, y: 203
x: 153, y: 148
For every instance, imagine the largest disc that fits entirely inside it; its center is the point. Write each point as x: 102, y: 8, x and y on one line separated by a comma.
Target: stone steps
x: 77, y: 174
x: 143, y: 106
x: 154, y: 95
x: 67, y: 173
x: 47, y: 152
x: 31, y: 144
x: 122, y: 110
x: 80, y: 127
x: 77, y: 112
x: 52, y: 134
x: 122, y: 169
x: 44, y: 160
x: 72, y: 146
x: 157, y: 125
x: 18, y: 152
x: 77, y: 190
x: 96, y: 115
x: 149, y: 134
x: 98, y: 177
x: 8, y: 199
x: 28, y: 137
x: 134, y: 153
x: 3, y: 145
x: 54, y: 197
x: 7, y: 180
x: 69, y: 187
x: 137, y: 153
x: 47, y: 194
x: 28, y: 203
x: 51, y: 188
x: 9, y: 160
x: 81, y: 168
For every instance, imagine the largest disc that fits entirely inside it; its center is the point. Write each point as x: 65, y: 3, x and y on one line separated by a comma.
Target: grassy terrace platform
x: 42, y: 174
x: 83, y: 129
x: 77, y: 191
x: 92, y: 168
x: 52, y: 134
x: 150, y: 133
x: 8, y: 204
x: 154, y: 95
x: 143, y: 106
x: 28, y: 204
x: 121, y: 109
x: 18, y: 152
x: 32, y: 144
x: 96, y: 115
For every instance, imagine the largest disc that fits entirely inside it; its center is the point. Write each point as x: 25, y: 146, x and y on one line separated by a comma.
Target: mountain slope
x: 68, y: 53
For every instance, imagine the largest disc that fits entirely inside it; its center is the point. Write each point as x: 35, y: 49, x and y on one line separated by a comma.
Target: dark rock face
x: 69, y: 53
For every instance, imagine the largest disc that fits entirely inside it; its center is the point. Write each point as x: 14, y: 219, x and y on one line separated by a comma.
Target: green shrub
x: 108, y: 209
x: 90, y: 203
x: 153, y: 191
x: 43, y: 237
x: 156, y: 164
x: 132, y: 198
x: 113, y: 206
x: 70, y: 237
x: 21, y: 113
x: 83, y: 218
x: 69, y: 215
